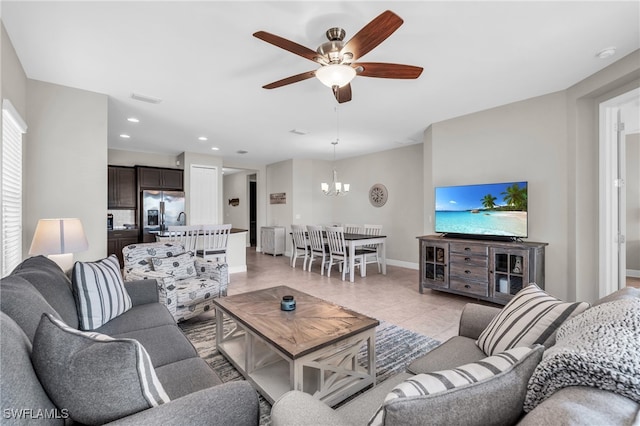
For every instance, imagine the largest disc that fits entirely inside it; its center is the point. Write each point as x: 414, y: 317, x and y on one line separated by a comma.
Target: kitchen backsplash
x: 122, y: 217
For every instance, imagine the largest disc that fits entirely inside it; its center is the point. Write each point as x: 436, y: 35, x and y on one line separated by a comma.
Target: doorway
x: 619, y: 191
x: 253, y: 211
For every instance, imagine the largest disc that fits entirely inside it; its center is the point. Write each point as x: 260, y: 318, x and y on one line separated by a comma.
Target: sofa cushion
x: 23, y: 303
x: 99, y: 292
x: 180, y: 267
x: 54, y: 285
x: 137, y: 318
x: 164, y: 344
x: 461, y: 395
x: 531, y: 317
x: 456, y: 351
x: 21, y: 389
x: 97, y: 378
x: 579, y: 405
x: 186, y: 376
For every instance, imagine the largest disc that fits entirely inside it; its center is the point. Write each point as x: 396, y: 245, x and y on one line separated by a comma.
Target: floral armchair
x: 187, y: 285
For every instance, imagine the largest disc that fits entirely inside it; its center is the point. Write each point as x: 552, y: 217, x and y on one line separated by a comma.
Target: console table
x: 488, y: 270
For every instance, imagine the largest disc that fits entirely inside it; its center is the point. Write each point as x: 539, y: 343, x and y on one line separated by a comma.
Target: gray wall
x: 400, y: 170
x: 66, y: 157
x: 523, y: 141
x: 236, y: 185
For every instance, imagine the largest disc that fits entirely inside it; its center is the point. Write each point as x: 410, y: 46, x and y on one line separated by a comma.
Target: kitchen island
x: 236, y: 248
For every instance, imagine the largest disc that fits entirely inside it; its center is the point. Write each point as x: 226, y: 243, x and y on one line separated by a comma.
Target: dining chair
x: 319, y: 248
x: 215, y: 239
x: 338, y: 253
x: 187, y: 235
x: 350, y: 228
x: 300, y: 245
x: 372, y: 250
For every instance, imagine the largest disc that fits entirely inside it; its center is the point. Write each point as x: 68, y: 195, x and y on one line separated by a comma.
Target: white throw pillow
x: 531, y: 317
x: 99, y: 292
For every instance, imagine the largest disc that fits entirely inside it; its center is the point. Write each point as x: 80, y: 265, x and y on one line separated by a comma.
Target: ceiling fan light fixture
x: 335, y: 75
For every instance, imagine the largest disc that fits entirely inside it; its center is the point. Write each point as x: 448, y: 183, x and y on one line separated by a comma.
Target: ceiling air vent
x: 145, y: 98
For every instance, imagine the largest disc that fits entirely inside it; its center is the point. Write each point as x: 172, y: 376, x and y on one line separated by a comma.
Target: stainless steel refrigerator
x: 161, y: 209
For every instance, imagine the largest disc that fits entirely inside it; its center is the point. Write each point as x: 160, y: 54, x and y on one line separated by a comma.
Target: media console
x: 484, y: 269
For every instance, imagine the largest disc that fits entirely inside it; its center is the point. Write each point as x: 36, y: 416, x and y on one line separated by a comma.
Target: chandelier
x: 336, y: 187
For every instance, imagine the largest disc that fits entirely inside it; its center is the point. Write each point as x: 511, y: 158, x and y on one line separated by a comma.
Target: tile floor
x: 393, y: 298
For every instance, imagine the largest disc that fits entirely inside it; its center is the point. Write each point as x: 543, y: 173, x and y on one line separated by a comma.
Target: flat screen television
x: 486, y: 210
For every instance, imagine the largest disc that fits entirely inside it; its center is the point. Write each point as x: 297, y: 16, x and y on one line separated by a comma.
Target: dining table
x: 354, y: 241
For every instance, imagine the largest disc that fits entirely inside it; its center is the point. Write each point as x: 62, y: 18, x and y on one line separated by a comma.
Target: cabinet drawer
x: 470, y: 287
x: 478, y: 273
x: 469, y: 260
x: 472, y: 249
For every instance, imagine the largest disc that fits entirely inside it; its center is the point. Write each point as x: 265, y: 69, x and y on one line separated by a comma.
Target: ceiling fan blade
x: 342, y: 94
x: 289, y: 45
x: 289, y: 80
x: 372, y: 34
x: 385, y: 70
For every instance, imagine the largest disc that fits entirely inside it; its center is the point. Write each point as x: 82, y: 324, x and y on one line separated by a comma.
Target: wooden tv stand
x: 484, y: 269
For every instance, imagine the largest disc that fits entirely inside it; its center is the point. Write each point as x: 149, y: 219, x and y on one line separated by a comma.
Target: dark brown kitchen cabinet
x: 122, y: 188
x: 117, y: 240
x: 159, y: 178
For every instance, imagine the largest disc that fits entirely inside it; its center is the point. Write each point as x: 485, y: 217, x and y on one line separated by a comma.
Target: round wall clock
x: 378, y: 195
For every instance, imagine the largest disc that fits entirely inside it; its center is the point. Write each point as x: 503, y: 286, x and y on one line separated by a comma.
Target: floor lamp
x: 58, y: 239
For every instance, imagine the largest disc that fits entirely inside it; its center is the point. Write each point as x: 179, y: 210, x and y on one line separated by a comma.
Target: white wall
x: 633, y: 202
x: 119, y: 157
x: 66, y: 158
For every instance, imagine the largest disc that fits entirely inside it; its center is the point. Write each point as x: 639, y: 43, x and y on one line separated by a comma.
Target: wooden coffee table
x: 313, y: 349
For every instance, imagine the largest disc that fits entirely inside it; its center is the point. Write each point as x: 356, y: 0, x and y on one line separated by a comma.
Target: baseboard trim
x: 633, y: 273
x: 402, y: 264
x: 236, y: 269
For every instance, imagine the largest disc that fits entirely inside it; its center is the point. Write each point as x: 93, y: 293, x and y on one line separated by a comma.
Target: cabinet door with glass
x: 434, y: 261
x: 509, y: 272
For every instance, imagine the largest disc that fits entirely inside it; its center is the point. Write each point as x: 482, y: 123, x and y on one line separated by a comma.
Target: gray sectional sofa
x: 499, y: 400
x: 38, y: 286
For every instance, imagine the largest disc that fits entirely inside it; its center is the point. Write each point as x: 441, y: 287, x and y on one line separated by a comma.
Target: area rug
x: 396, y: 347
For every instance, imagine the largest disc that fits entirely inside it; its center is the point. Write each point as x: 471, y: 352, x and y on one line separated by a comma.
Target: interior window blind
x: 11, y: 183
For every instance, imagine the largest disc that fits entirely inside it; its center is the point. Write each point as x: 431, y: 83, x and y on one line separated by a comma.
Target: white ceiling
x: 201, y: 59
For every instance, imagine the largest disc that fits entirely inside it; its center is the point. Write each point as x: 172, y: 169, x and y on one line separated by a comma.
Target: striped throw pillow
x: 97, y: 378
x: 531, y: 317
x: 419, y: 388
x: 99, y: 292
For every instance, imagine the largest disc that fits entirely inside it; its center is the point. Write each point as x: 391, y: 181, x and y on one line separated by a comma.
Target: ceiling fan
x: 337, y: 58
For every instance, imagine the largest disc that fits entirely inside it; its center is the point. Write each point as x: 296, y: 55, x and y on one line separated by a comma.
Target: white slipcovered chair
x: 186, y: 285
x: 339, y: 254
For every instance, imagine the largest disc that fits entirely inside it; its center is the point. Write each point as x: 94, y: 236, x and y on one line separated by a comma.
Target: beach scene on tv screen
x: 490, y: 209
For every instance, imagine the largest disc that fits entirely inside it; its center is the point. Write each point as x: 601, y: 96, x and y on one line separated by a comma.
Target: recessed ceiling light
x: 242, y: 151
x: 123, y: 136
x: 605, y: 53
x: 203, y: 138
x: 215, y: 148
x: 133, y: 120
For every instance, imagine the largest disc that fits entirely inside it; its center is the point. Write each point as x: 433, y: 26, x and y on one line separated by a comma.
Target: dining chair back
x: 318, y: 246
x: 215, y: 239
x: 350, y: 228
x: 372, y: 250
x: 187, y: 235
x: 338, y: 253
x: 300, y: 245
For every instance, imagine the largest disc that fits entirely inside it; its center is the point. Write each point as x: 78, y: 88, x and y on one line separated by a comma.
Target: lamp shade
x: 335, y: 75
x: 58, y: 236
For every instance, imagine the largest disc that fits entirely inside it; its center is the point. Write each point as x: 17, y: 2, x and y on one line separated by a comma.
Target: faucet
x: 185, y: 217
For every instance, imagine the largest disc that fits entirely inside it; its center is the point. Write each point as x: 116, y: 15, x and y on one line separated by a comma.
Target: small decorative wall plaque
x: 278, y: 198
x: 234, y: 202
